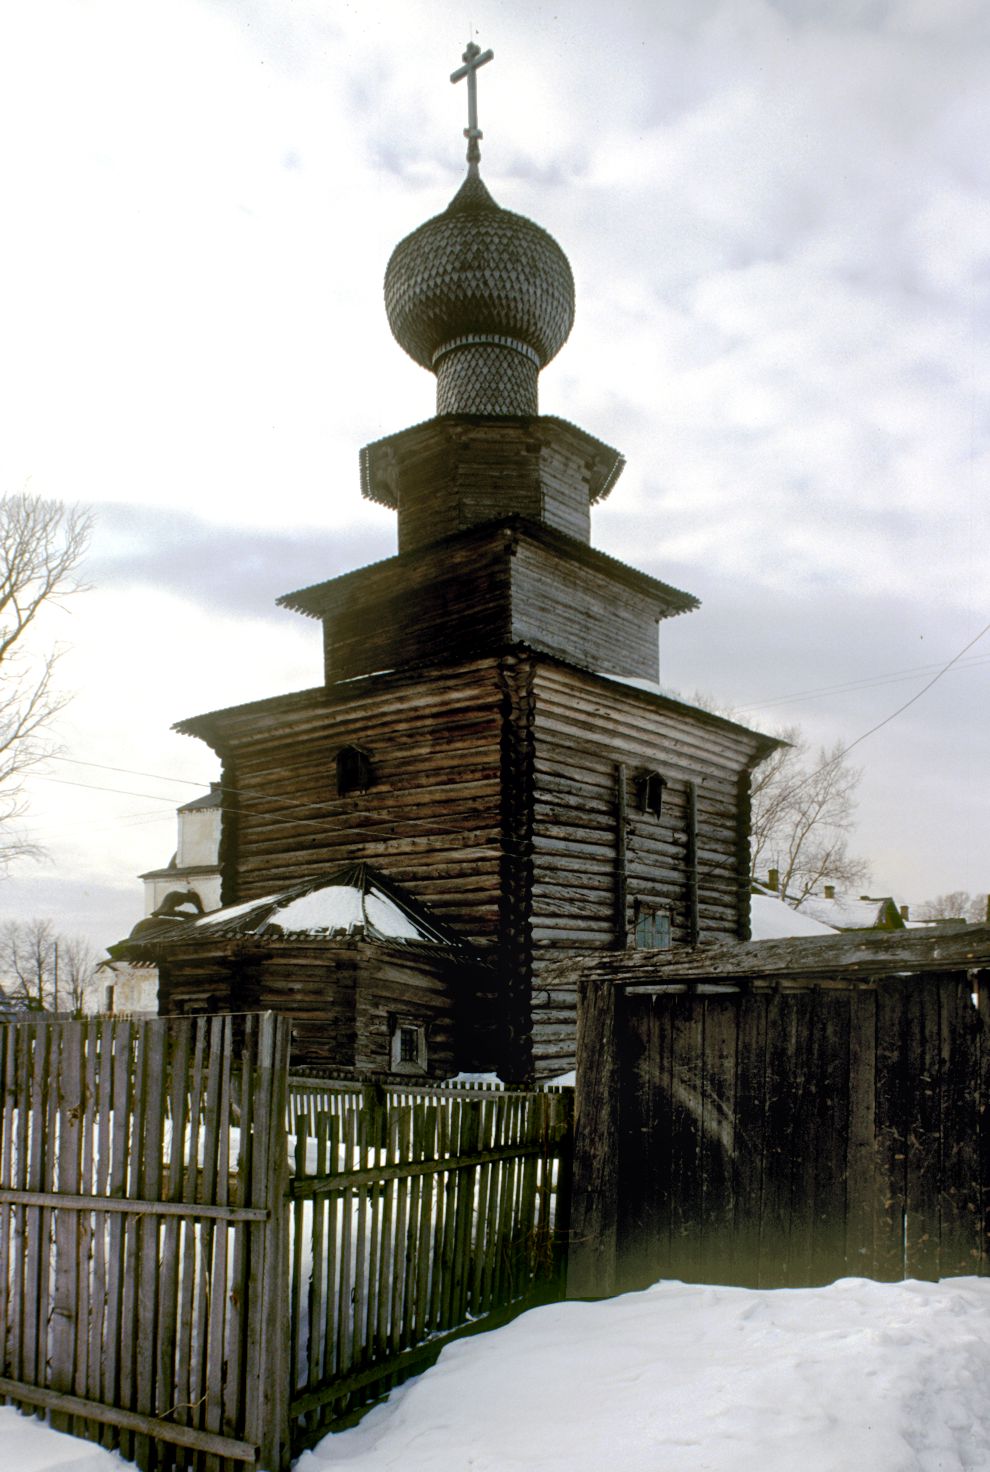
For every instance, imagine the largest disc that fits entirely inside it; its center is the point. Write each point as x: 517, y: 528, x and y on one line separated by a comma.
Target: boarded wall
x: 781, y: 1135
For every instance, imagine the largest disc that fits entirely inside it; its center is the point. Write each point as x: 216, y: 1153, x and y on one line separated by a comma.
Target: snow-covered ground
x: 681, y: 1378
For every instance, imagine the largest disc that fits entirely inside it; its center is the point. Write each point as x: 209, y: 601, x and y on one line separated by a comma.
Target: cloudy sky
x: 778, y: 217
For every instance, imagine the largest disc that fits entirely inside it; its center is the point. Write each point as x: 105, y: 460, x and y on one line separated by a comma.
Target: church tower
x: 489, y: 734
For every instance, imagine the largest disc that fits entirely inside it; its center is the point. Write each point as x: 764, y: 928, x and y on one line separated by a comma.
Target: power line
x: 866, y: 683
x: 372, y: 820
x: 132, y: 772
x: 318, y: 810
x: 923, y: 691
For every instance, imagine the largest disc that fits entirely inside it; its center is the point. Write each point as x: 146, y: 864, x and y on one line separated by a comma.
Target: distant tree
x: 41, y: 547
x: 803, y: 811
x: 959, y: 904
x: 28, y: 960
x: 77, y: 979
x: 45, y: 969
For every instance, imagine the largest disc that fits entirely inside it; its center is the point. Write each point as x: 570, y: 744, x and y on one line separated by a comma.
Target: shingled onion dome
x: 482, y: 297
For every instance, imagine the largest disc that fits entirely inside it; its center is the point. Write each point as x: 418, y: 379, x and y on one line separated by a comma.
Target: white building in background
x: 194, y: 868
x: 189, y: 884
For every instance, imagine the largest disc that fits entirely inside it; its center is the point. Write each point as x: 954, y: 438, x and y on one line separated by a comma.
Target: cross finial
x: 473, y: 59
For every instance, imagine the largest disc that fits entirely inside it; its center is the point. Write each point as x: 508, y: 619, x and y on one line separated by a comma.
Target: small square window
x: 408, y: 1047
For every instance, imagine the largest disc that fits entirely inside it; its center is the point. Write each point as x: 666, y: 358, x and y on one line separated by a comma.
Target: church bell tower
x: 489, y: 733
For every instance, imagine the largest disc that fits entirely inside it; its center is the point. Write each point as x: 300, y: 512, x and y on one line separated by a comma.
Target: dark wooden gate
x: 772, y: 1132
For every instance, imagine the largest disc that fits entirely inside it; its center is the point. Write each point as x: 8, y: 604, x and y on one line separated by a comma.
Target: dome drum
x: 486, y: 377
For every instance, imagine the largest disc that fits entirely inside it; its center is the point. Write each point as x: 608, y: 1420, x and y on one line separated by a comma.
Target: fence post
x: 272, y: 1307
x: 591, y: 1269
x: 563, y: 1146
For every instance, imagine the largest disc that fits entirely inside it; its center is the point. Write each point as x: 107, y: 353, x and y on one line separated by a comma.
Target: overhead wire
x: 849, y: 686
x: 310, y: 811
x: 914, y: 698
x: 840, y: 687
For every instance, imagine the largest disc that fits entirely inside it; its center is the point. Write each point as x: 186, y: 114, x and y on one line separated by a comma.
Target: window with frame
x: 408, y: 1047
x: 652, y: 928
x: 354, y: 770
x: 649, y: 792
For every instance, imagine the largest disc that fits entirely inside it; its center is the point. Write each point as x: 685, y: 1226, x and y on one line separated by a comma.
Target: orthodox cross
x: 473, y: 59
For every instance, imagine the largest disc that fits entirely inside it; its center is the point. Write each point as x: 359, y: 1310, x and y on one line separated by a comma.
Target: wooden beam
x: 592, y: 1242
x: 621, y: 881
x: 305, y: 1186
x: 75, y: 1405
x: 133, y: 1207
x: 694, y: 930
x: 804, y: 958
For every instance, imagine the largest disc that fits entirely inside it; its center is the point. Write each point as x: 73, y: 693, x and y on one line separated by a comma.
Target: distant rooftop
x: 211, y: 799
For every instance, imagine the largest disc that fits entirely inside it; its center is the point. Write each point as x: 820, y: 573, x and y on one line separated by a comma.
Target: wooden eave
x: 213, y: 726
x: 257, y: 947
x: 798, y: 961
x: 609, y: 463
x: 322, y: 599
x: 764, y: 744
x: 208, y: 727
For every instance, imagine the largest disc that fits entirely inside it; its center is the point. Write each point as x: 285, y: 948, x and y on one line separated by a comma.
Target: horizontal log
x: 865, y: 955
x: 91, y: 1410
x: 133, y: 1207
x: 302, y: 1187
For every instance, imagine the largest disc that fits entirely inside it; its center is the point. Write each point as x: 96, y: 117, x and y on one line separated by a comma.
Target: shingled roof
x: 356, y: 901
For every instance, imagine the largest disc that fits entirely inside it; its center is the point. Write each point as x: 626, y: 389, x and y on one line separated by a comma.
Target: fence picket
x: 7, y: 1178
x: 66, y: 1161
x: 149, y: 1187
x: 340, y: 1331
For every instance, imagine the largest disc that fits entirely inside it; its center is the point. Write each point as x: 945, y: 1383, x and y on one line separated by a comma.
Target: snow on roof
x: 354, y: 901
x: 845, y: 912
x: 771, y: 919
x: 325, y: 910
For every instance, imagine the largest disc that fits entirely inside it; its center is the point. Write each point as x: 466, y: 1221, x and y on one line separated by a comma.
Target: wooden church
x: 484, y: 757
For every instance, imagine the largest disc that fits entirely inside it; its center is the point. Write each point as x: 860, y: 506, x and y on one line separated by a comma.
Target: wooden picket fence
x: 168, y: 1290
x: 139, y: 1252
x: 414, y: 1212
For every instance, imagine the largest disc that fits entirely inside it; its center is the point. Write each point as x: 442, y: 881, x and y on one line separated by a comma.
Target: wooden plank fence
x: 168, y: 1290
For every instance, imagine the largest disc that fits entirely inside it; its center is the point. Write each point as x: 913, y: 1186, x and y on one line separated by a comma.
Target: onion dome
x: 484, y: 299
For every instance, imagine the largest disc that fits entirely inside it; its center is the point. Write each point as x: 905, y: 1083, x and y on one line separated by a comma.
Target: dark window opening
x: 652, y: 929
x: 649, y: 791
x: 407, y: 1049
x: 354, y: 772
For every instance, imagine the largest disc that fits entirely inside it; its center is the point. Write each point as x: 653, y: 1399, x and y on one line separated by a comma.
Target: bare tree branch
x: 41, y: 546
x: 803, y: 809
x: 959, y: 904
